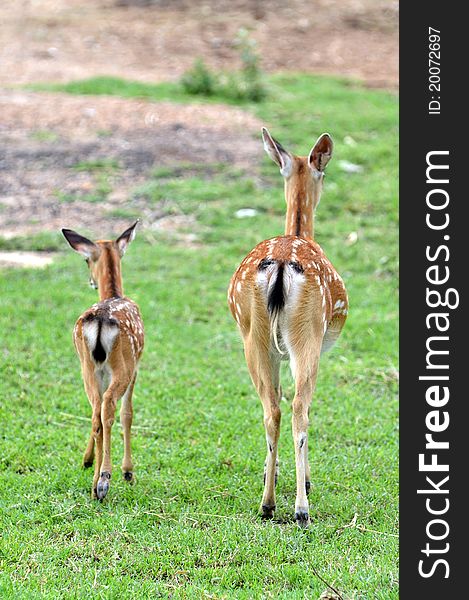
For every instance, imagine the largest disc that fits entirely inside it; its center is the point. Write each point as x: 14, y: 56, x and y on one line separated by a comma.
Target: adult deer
x: 289, y: 304
x: 109, y: 341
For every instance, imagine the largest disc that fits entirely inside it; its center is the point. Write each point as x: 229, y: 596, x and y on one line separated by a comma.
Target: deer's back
x: 307, y: 258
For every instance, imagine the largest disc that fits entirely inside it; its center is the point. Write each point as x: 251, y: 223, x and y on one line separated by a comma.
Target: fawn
x: 109, y: 340
x: 289, y: 304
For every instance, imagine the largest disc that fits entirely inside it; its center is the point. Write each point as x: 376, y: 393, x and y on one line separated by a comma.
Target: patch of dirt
x: 73, y: 161
x: 67, y: 160
x: 35, y: 260
x: 155, y: 40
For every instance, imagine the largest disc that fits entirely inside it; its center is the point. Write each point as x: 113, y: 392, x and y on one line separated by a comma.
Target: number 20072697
x: 434, y: 86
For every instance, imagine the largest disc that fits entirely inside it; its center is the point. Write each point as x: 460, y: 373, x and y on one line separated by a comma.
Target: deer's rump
x: 296, y: 283
x: 99, y: 332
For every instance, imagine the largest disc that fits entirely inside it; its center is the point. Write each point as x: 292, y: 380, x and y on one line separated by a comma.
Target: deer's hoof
x: 87, y: 463
x: 103, y: 485
x: 268, y: 511
x: 128, y: 476
x: 302, y: 518
x: 308, y: 486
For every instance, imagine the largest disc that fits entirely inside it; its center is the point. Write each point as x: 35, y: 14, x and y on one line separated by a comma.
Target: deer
x: 289, y: 303
x: 108, y: 339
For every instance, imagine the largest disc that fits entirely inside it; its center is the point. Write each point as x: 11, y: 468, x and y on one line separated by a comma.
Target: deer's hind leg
x: 305, y: 352
x: 95, y: 443
x: 121, y: 379
x: 126, y: 416
x: 264, y: 369
x: 87, y: 371
x: 88, y: 455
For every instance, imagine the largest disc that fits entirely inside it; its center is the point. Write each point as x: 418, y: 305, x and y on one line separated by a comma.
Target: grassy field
x: 190, y: 528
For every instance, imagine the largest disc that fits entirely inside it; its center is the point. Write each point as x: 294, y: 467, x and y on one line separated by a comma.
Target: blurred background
x: 156, y: 40
x: 112, y: 110
x: 60, y: 152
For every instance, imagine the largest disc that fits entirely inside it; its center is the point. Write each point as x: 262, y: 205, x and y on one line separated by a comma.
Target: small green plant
x: 199, y: 80
x: 251, y: 83
x: 245, y: 84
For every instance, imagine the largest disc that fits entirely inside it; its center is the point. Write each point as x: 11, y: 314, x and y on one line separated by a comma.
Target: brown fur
x: 107, y: 382
x: 317, y: 319
x: 299, y: 193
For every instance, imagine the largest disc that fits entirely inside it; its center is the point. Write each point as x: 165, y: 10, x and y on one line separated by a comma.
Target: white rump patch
x: 292, y: 285
x: 109, y: 332
x: 90, y: 331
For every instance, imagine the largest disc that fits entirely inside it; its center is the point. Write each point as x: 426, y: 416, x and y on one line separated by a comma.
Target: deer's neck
x: 299, y: 220
x: 110, y: 278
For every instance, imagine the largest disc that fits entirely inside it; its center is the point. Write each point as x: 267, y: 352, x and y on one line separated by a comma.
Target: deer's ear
x: 277, y: 153
x: 82, y: 245
x: 321, y: 153
x: 125, y: 238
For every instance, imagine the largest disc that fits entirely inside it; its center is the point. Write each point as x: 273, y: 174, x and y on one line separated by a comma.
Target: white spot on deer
x: 271, y: 245
x: 109, y: 334
x: 238, y: 286
x: 90, y: 332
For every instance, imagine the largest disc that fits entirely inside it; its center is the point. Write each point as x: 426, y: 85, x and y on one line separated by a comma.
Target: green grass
x: 102, y: 170
x: 115, y: 86
x: 44, y: 135
x: 100, y: 164
x: 190, y: 528
x: 46, y: 241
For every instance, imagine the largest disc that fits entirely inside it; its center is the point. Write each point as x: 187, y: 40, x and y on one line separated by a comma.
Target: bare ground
x: 154, y: 40
x: 48, y: 140
x: 45, y: 137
